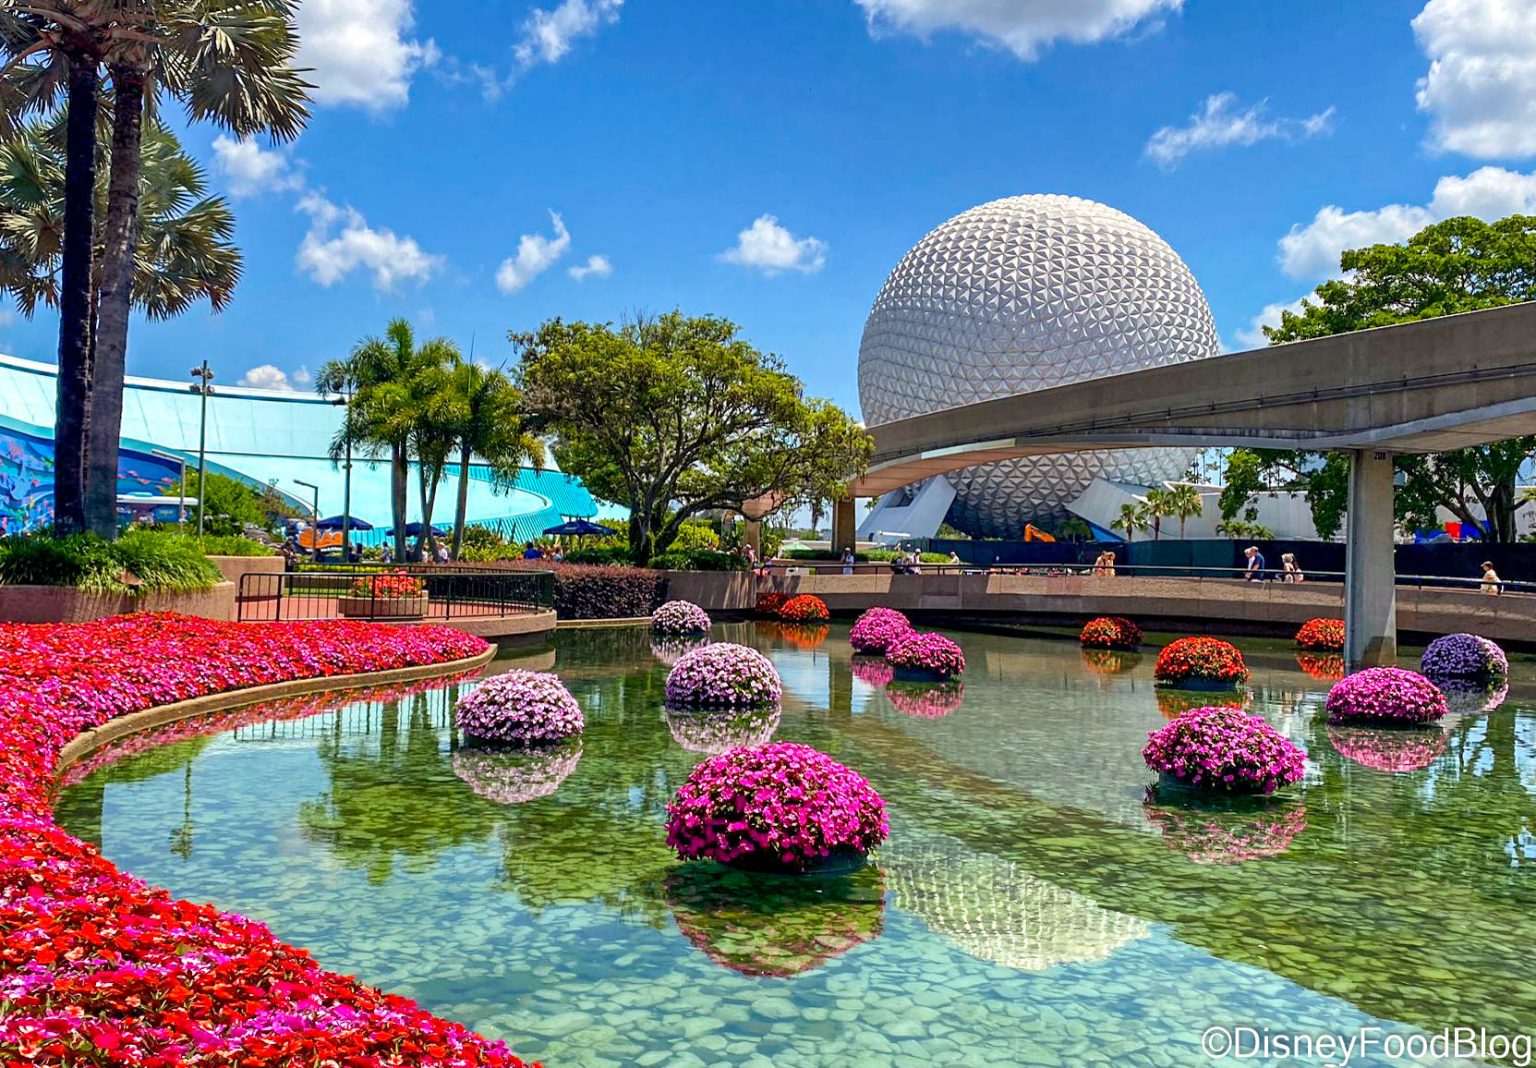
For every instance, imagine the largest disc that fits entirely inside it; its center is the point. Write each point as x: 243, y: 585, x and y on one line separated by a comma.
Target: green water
x: 1032, y: 907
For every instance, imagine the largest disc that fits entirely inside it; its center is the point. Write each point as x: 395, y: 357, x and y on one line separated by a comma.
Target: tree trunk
x: 399, y: 478
x: 111, y: 348
x: 429, y: 483
x: 72, y: 427
x: 461, y: 509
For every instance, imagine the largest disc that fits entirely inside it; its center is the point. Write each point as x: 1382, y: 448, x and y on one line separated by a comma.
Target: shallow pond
x: 1034, y: 905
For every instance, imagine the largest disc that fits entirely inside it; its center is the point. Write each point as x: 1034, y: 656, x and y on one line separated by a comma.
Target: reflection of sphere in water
x: 669, y: 650
x: 1174, y: 703
x: 1326, y: 667
x: 873, y: 671
x: 1467, y: 698
x: 1023, y: 294
x: 996, y: 911
x: 1109, y: 661
x: 804, y: 635
x: 1394, y: 749
x: 718, y: 730
x: 926, y: 701
x: 510, y: 777
x: 1214, y: 836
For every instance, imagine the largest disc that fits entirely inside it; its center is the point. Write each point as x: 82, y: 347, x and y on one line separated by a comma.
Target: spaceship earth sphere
x: 1021, y: 294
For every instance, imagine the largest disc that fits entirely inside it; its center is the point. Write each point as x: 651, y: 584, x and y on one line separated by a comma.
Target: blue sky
x: 1257, y: 137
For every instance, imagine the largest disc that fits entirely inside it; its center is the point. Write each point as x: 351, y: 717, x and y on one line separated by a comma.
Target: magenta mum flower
x: 875, y: 630
x: 1224, y: 750
x: 931, y: 654
x: 1385, y: 695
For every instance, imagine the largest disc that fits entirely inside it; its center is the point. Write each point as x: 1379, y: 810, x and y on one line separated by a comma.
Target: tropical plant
x: 487, y: 423
x: 1183, y: 502
x: 1157, y: 507
x: 141, y: 561
x: 1242, y: 528
x: 676, y: 416
x: 1133, y: 517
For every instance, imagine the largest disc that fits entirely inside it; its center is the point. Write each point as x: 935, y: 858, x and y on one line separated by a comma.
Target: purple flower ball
x: 875, y: 630
x: 723, y: 675
x: 519, y: 708
x: 1464, y: 656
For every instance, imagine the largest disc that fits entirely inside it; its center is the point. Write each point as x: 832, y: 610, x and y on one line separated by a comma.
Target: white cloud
x: 535, y: 255
x: 248, y: 169
x: 549, y: 35
x: 1480, y: 91
x: 1252, y: 335
x: 270, y: 376
x: 1021, y: 26
x: 1312, y: 251
x: 361, y: 52
x: 340, y: 241
x: 769, y: 247
x: 1220, y: 123
x: 595, y: 267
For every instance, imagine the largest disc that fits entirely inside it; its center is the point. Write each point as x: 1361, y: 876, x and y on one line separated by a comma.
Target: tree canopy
x: 675, y: 416
x: 1459, y: 265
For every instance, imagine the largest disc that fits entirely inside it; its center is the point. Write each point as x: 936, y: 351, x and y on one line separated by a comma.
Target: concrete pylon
x: 1370, y: 579
x: 844, y: 524
x: 752, y: 535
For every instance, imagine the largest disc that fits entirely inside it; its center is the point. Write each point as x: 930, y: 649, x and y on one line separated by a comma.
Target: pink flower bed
x: 926, y: 655
x: 781, y: 806
x: 1385, y: 695
x: 1224, y: 750
x: 875, y: 630
x: 97, y: 967
x: 519, y: 708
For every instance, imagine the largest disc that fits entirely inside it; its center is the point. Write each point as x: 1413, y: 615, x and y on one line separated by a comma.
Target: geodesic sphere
x: 1021, y: 294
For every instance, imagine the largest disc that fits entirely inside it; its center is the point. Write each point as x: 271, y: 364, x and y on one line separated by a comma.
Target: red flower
x: 805, y: 608
x: 1321, y: 636
x: 1110, y: 632
x: 1209, y: 659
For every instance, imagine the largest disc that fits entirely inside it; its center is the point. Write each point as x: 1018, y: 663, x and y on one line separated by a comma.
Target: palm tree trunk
x: 399, y: 475
x: 71, y: 435
x: 429, y: 484
x: 111, y: 350
x: 461, y: 510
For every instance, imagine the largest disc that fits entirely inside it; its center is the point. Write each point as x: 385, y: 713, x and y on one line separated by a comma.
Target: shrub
x: 519, y: 708
x: 1394, y: 751
x: 928, y: 654
x: 1200, y: 658
x: 1385, y: 695
x: 698, y: 560
x: 770, y: 604
x: 781, y: 807
x: 601, y: 557
x: 696, y: 535
x: 875, y: 630
x: 141, y: 561
x: 719, y: 730
x: 586, y: 592
x: 232, y: 545
x: 679, y: 618
x: 1110, y: 632
x: 1321, y: 636
x: 806, y: 608
x: 1465, y: 656
x: 926, y: 702
x: 1224, y: 750
x: 511, y: 778
x: 392, y: 584
x: 723, y: 675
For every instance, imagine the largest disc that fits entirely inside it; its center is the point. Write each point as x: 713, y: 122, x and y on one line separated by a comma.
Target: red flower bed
x: 806, y: 608
x: 1200, y: 659
x: 1321, y: 636
x: 1110, y: 632
x: 395, y: 584
x: 97, y: 967
x: 769, y: 605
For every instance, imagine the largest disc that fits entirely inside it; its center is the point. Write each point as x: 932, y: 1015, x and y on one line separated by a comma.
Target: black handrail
x: 439, y: 594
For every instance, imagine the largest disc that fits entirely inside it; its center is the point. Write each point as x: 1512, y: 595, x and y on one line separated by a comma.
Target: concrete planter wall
x: 382, y: 607
x: 232, y: 567
x: 64, y: 604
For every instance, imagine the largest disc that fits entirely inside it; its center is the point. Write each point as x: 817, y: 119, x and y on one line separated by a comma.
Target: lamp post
x: 345, y: 401
x: 202, y: 387
x: 314, y: 514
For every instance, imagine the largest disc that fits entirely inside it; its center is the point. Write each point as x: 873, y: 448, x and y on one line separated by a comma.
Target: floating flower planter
x: 521, y: 709
x: 926, y: 701
x: 874, y: 631
x: 719, y: 730
x: 1396, y: 751
x: 511, y: 777
x: 1465, y: 656
x: 783, y: 808
x: 396, y: 595
x: 805, y: 609
x: 1201, y: 663
x: 1321, y: 636
x: 1385, y: 696
x: 925, y: 658
x: 723, y: 675
x: 769, y: 605
x: 680, y: 619
x: 1110, y: 632
x: 1223, y: 751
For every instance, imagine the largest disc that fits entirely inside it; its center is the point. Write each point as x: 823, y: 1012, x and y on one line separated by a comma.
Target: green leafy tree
x: 676, y: 416
x: 228, y: 503
x: 1184, y: 503
x: 1458, y: 265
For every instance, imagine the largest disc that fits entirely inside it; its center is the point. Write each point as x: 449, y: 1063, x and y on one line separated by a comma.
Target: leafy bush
x: 868, y: 556
x: 141, y: 561
x: 695, y: 536
x: 699, y: 560
x: 583, y: 591
x: 232, y: 545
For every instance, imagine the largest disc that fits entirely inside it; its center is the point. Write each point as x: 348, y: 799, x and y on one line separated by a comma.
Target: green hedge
x: 232, y: 545
x: 141, y: 561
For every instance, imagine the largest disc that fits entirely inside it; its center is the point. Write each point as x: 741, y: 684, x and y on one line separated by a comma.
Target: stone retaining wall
x: 65, y: 604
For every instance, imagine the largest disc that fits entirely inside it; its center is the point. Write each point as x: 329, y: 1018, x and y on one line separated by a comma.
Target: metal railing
x: 429, y: 593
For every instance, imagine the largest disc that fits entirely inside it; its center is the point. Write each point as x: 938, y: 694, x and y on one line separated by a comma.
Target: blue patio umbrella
x: 334, y: 523
x: 579, y: 528
x: 414, y: 530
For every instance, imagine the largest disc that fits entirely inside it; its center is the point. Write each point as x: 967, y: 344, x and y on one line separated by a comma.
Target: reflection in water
x: 1464, y: 697
x: 515, y: 776
x: 1174, y: 703
x: 714, y: 730
x: 1023, y: 852
x: 873, y: 671
x: 1394, y: 749
x: 774, y: 925
x: 1325, y: 667
x: 670, y: 650
x: 926, y: 700
x: 1109, y: 661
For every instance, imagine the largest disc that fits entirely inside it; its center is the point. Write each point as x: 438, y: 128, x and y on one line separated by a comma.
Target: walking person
x: 1255, y: 572
x: 1492, y: 584
x: 848, y: 561
x: 1292, y: 570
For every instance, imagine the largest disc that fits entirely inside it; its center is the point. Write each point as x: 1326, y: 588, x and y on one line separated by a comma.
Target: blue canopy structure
x: 579, y: 528
x: 334, y: 523
x: 415, y: 530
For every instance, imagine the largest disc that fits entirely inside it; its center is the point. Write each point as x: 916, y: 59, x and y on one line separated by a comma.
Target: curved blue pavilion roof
x: 279, y: 438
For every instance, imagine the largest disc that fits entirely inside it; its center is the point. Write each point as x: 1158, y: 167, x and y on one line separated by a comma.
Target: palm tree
x: 490, y: 427
x: 228, y: 61
x: 1184, y: 502
x: 1157, y: 507
x: 1133, y: 517
x: 53, y: 47
x: 379, y: 377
